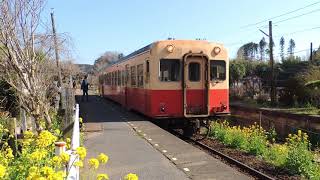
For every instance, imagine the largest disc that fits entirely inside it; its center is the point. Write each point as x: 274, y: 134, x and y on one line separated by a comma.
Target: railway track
x: 243, y: 167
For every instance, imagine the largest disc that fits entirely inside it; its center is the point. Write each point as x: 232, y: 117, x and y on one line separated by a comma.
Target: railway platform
x: 135, y: 145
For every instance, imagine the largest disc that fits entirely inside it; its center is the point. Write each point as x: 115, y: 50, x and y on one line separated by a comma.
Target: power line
x: 295, y: 52
x: 256, y: 40
x: 284, y: 14
x: 299, y: 31
x: 297, y: 16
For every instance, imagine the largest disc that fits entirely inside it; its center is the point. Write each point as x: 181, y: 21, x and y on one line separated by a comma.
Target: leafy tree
x: 237, y: 71
x: 262, y: 48
x: 291, y: 47
x: 248, y: 51
x: 316, y: 54
x: 282, y: 42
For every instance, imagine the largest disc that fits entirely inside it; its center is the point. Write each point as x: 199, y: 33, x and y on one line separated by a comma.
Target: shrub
x: 295, y: 154
x: 277, y: 154
x: 300, y: 158
x: 257, y: 140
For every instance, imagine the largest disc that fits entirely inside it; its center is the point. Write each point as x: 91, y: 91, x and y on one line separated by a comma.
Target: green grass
x: 294, y: 110
x: 307, y: 111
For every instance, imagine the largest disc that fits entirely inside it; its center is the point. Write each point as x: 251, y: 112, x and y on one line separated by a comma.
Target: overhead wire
x: 297, y: 16
x: 284, y: 14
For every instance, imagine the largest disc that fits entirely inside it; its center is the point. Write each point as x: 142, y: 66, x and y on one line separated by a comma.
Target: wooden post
x: 311, y: 53
x: 13, y: 139
x: 260, y: 117
x: 273, y: 90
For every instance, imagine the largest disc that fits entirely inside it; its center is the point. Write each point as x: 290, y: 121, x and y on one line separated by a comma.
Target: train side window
x: 122, y: 77
x: 140, y: 75
x: 194, y: 71
x: 127, y: 75
x: 113, y: 79
x: 105, y: 79
x: 133, y: 75
x: 217, y: 70
x: 147, y: 71
x: 109, y: 79
x: 119, y: 78
x: 169, y: 70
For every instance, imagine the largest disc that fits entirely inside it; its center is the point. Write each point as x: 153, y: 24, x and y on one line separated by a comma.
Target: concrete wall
x: 284, y: 123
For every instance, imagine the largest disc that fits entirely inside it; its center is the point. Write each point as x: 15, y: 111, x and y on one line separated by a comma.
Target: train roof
x: 139, y: 51
x: 146, y: 48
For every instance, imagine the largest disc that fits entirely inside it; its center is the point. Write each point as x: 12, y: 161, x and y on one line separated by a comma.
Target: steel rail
x: 225, y: 157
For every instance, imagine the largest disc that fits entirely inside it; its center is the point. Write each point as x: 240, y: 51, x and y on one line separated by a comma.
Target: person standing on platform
x: 85, y: 87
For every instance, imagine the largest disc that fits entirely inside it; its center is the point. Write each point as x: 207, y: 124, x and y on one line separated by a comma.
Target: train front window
x: 194, y: 71
x: 217, y: 70
x: 169, y: 70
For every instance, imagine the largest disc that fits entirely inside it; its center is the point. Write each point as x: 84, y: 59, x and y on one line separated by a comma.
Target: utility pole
x: 311, y: 52
x: 56, y: 49
x: 273, y: 88
x: 62, y: 102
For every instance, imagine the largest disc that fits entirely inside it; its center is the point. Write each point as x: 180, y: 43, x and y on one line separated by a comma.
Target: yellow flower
x: 60, y: 175
x: 65, y: 157
x: 33, y: 169
x: 45, y: 139
x: 299, y: 132
x: 79, y: 164
x: 9, y: 154
x: 82, y: 152
x: 37, y: 155
x: 94, y: 163
x: 2, y: 171
x: 103, y: 158
x: 102, y: 177
x: 56, y: 161
x: 57, y: 131
x: 131, y: 176
x: 47, y: 171
x: 33, y: 176
x: 68, y: 142
x: 28, y: 134
x: 80, y: 120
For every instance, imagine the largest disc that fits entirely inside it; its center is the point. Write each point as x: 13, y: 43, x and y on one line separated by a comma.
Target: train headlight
x: 216, y: 50
x: 170, y: 48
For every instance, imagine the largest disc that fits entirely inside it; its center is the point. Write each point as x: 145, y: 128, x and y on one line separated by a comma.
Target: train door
x: 195, y: 86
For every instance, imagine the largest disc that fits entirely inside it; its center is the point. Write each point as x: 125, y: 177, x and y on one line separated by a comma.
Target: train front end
x: 193, y: 77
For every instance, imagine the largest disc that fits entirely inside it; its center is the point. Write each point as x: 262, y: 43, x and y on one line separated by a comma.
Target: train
x: 171, y: 79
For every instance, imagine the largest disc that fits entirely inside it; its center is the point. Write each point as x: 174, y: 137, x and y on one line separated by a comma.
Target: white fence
x: 73, y: 171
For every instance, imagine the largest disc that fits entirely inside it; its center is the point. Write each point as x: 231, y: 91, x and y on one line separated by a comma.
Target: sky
x: 97, y: 26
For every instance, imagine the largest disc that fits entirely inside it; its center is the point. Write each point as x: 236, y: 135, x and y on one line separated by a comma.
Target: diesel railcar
x: 171, y: 79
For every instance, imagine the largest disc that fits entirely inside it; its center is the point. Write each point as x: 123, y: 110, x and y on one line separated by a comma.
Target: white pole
x: 74, y: 173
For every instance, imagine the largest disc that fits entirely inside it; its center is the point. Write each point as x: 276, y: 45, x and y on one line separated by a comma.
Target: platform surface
x: 135, y: 145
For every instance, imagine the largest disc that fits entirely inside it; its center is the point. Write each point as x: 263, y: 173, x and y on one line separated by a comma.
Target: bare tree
x: 25, y: 52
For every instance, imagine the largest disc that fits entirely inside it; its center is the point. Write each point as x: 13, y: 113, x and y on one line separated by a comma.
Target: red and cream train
x: 171, y: 79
